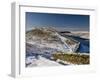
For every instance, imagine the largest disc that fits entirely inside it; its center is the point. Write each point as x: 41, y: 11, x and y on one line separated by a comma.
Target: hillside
x: 43, y: 45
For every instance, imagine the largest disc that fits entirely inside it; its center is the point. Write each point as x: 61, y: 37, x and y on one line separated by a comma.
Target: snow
x: 39, y: 51
x: 43, y: 62
x: 60, y: 45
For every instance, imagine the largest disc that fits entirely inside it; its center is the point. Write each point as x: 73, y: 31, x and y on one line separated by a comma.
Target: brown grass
x: 73, y: 58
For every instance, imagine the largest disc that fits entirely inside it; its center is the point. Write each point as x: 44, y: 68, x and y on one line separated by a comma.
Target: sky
x: 63, y: 22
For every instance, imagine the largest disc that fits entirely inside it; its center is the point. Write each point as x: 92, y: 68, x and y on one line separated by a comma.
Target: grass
x: 40, y: 33
x: 73, y: 58
x: 43, y: 35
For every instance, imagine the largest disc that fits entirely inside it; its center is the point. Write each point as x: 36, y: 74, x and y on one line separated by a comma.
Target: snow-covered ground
x: 41, y: 61
x: 82, y: 34
x: 60, y: 44
x: 40, y: 46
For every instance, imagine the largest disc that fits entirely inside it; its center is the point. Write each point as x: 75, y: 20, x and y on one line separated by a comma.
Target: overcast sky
x: 69, y: 22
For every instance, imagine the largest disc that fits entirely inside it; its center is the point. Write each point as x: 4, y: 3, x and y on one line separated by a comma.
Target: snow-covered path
x: 43, y: 62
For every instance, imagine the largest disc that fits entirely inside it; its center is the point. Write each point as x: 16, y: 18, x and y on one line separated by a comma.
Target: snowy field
x: 42, y: 43
x: 41, y: 61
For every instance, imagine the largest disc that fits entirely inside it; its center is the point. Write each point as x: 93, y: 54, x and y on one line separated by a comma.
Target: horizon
x: 61, y: 22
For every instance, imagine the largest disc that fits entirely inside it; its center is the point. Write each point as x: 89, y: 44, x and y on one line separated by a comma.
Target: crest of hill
x: 41, y: 32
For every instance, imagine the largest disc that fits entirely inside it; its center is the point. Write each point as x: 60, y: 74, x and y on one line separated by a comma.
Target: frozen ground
x: 42, y: 43
x: 41, y: 61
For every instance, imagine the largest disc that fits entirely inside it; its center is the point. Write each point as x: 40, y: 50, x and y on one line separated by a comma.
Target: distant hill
x: 65, y: 32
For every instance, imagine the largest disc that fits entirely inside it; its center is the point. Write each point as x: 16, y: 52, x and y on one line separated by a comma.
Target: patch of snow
x: 43, y: 62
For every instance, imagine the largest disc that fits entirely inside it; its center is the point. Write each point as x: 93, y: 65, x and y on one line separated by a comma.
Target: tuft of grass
x: 73, y: 58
